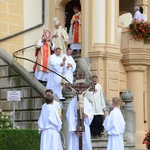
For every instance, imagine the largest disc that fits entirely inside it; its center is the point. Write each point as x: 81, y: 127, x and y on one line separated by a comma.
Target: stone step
x: 28, y: 109
x: 100, y: 143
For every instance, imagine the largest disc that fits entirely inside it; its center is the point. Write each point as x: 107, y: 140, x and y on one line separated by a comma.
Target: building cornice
x: 136, y: 68
x: 107, y: 51
x: 136, y: 59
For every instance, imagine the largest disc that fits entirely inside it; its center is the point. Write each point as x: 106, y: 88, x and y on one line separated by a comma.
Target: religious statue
x: 80, y: 88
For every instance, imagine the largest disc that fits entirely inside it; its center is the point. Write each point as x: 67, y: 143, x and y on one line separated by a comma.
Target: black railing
x: 19, y: 57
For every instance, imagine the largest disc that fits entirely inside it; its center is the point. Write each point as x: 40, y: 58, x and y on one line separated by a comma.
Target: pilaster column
x: 144, y: 4
x: 104, y: 22
x: 148, y: 95
x: 86, y: 13
x: 104, y: 51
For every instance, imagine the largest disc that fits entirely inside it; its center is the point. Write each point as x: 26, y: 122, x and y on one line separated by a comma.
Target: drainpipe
x: 31, y: 28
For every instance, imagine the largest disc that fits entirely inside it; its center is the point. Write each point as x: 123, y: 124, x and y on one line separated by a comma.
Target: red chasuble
x: 76, y: 31
x: 76, y: 37
x: 42, y: 57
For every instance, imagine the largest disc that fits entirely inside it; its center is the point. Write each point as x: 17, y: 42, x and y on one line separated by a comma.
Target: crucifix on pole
x: 80, y: 88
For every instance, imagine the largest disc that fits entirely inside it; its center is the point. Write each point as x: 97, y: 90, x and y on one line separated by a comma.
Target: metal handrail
x: 15, y: 53
x: 19, y: 57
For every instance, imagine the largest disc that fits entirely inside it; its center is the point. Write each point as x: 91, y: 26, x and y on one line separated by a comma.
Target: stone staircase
x: 83, y: 65
x: 28, y: 109
x: 101, y: 143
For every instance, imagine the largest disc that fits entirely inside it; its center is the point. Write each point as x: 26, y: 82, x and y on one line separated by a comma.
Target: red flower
x: 140, y: 31
x: 146, y: 140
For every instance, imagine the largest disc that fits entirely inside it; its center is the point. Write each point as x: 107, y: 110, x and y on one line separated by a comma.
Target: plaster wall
x: 11, y: 14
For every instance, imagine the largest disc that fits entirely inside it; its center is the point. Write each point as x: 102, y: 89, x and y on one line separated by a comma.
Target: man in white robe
x: 97, y: 101
x: 137, y: 14
x: 54, y: 81
x: 69, y: 67
x: 59, y: 36
x: 114, y: 124
x: 43, y: 51
x: 73, y: 139
x: 50, y: 124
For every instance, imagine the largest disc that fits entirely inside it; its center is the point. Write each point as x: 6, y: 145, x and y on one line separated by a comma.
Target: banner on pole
x: 47, y: 33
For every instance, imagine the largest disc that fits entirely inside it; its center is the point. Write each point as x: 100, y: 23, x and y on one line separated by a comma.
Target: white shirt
x: 144, y: 18
x: 97, y: 100
x: 137, y: 16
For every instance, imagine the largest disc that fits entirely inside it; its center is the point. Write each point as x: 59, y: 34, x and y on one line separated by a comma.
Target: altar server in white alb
x: 54, y: 81
x: 114, y: 124
x: 49, y: 125
x: 70, y: 66
x: 57, y: 104
x: 73, y: 138
x: 97, y: 101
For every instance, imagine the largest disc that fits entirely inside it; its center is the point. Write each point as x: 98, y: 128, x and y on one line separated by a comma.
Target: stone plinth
x: 129, y: 116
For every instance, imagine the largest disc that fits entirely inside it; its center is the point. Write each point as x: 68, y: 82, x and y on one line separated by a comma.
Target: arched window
x: 126, y: 6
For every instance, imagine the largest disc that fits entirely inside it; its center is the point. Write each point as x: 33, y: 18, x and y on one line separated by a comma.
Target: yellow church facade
x: 120, y: 63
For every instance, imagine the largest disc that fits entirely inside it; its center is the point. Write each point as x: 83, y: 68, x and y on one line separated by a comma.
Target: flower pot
x: 148, y: 146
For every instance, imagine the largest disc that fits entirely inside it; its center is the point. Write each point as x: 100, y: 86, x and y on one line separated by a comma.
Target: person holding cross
x: 79, y: 109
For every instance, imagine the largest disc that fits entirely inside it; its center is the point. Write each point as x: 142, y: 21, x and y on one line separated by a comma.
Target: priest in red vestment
x: 75, y: 28
x: 43, y: 51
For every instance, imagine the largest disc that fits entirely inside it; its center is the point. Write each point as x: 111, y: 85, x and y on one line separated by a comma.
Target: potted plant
x: 146, y: 140
x: 140, y: 31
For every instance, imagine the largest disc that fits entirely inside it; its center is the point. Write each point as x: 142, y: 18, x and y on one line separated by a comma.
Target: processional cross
x: 80, y: 88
